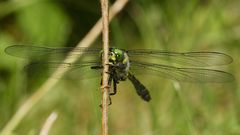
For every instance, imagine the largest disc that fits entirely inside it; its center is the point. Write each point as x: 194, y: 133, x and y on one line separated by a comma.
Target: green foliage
x: 172, y: 25
x: 56, y: 24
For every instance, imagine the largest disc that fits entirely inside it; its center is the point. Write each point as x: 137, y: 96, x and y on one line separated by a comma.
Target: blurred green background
x: 170, y: 25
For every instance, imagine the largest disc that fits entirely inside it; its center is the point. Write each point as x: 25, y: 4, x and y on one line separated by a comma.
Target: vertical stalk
x: 105, y: 87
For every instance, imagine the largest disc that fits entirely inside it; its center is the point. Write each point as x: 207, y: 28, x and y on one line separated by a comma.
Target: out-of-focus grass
x: 176, y: 108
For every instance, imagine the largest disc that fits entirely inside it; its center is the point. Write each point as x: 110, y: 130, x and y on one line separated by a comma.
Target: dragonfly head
x: 116, y: 55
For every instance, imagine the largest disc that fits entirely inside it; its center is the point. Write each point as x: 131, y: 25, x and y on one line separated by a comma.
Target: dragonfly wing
x: 48, y: 54
x: 193, y: 59
x: 181, y: 74
x: 75, y: 71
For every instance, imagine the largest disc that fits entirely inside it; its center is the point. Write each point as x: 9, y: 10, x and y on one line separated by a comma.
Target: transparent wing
x: 49, y: 54
x: 181, y: 74
x: 193, y: 59
x: 81, y: 70
x: 47, y: 60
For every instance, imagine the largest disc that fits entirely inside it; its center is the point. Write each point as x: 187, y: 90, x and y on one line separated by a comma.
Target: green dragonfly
x: 124, y: 64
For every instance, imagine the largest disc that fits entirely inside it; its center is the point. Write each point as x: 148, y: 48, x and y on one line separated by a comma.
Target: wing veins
x: 25, y: 51
x: 185, y: 74
x: 191, y: 58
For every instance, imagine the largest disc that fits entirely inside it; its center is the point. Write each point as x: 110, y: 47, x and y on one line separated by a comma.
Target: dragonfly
x: 124, y: 64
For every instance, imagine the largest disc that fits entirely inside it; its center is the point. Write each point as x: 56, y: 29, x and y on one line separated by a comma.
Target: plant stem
x: 105, y: 87
x: 48, y: 123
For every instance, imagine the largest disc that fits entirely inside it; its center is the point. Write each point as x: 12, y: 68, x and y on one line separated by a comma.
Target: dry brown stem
x: 48, y: 123
x: 105, y: 87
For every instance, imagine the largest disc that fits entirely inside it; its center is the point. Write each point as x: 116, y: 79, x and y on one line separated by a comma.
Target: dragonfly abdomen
x: 140, y: 88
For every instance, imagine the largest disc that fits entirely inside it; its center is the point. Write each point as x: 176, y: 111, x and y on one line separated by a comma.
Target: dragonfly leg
x: 109, y: 82
x: 110, y: 100
x: 96, y: 67
x: 114, y: 87
x: 114, y: 91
